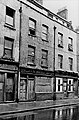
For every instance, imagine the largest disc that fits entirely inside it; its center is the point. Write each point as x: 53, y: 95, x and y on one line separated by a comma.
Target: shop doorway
x: 31, y: 88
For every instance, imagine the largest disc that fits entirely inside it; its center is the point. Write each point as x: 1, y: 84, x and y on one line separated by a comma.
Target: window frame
x: 43, y: 58
x: 60, y: 61
x: 70, y: 44
x: 8, y: 16
x: 70, y: 85
x: 70, y: 63
x: 60, y: 40
x: 45, y: 33
x: 8, y: 48
x: 31, y: 56
x: 59, y: 85
x: 31, y: 29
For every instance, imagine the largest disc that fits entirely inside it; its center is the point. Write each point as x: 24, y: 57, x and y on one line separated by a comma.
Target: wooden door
x: 31, y: 91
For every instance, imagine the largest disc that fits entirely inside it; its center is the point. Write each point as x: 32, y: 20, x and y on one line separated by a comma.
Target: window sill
x: 31, y: 64
x: 7, y: 58
x: 44, y: 66
x: 9, y: 26
x: 45, y: 40
x: 31, y: 35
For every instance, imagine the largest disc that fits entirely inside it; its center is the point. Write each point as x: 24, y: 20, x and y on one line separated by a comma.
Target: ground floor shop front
x: 8, y: 81
x: 38, y: 85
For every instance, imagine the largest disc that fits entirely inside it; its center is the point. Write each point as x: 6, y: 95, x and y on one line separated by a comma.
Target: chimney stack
x: 63, y: 13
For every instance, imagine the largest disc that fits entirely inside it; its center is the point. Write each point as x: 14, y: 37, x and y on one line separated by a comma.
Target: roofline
x: 42, y: 7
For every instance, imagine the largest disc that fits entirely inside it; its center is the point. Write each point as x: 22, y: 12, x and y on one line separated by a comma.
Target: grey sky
x: 71, y: 5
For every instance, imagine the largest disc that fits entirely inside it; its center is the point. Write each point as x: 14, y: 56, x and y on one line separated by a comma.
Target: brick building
x: 9, y: 49
x: 45, y: 46
x: 48, y: 55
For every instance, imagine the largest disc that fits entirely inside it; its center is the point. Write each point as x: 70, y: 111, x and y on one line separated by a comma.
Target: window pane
x: 8, y: 43
x: 60, y: 60
x: 2, y: 77
x: 9, y: 88
x: 44, y: 29
x: 32, y: 24
x: 9, y: 20
x: 8, y: 53
x: 9, y: 12
x: 44, y: 36
x: 31, y: 59
x: 31, y: 51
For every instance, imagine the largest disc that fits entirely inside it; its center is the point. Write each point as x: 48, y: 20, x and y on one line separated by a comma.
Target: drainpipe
x: 18, y: 81
x: 54, y: 80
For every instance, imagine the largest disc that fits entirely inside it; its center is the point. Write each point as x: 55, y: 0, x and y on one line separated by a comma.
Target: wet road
x: 60, y: 113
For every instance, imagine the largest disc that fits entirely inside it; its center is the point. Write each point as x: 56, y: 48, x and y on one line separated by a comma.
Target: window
x: 44, y: 32
x: 44, y: 60
x: 8, y: 47
x: 31, y: 55
x: 70, y: 45
x: 70, y: 63
x: 10, y: 13
x: 60, y: 61
x: 59, y: 84
x: 70, y: 85
x: 60, y: 40
x: 10, y: 87
x: 32, y: 27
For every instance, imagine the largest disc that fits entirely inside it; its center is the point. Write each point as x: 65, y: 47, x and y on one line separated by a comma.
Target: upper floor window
x: 60, y: 40
x: 10, y: 14
x: 60, y: 61
x: 44, y: 32
x: 44, y: 59
x: 32, y: 27
x: 70, y: 63
x: 70, y: 44
x: 31, y: 55
x: 8, y: 47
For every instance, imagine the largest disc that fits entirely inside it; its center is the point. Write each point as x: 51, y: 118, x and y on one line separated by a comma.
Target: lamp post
x: 54, y: 80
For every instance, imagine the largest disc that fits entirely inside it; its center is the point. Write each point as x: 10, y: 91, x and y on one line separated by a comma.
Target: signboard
x: 43, y: 85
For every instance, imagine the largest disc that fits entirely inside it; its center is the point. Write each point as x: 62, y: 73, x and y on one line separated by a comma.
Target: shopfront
x: 8, y: 81
x: 66, y: 85
x: 35, y: 85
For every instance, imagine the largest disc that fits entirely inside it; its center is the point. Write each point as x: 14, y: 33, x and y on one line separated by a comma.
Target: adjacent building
x: 9, y: 50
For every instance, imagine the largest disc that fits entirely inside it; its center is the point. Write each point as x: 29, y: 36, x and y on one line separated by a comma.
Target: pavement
x: 9, y: 109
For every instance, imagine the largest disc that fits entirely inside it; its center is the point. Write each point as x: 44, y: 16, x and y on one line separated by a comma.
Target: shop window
x: 44, y: 59
x: 9, y: 87
x: 32, y: 27
x: 10, y: 13
x: 70, y: 85
x: 31, y: 55
x: 60, y: 40
x: 44, y: 32
x: 60, y: 61
x: 70, y: 44
x: 70, y: 63
x: 8, y: 47
x: 58, y: 84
